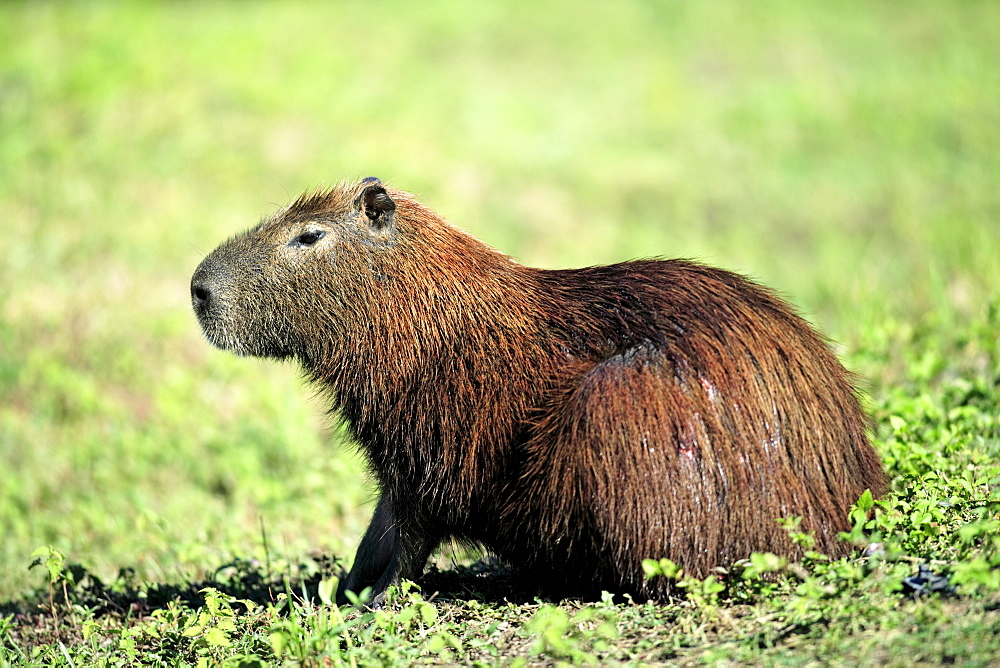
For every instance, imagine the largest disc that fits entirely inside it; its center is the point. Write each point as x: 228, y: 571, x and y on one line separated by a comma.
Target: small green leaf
x: 327, y: 590
x: 428, y: 613
x: 866, y: 501
x: 193, y: 631
x: 216, y: 637
x: 897, y: 423
x: 660, y: 567
x: 278, y: 641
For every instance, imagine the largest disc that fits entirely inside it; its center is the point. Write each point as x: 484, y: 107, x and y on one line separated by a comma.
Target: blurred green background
x: 847, y: 154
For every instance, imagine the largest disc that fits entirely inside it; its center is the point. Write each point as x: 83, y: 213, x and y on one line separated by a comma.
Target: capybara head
x: 273, y: 290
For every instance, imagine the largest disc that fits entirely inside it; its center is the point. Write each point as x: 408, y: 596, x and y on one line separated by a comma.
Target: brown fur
x: 573, y: 422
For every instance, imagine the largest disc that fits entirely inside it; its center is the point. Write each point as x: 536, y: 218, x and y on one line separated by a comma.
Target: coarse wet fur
x: 572, y: 422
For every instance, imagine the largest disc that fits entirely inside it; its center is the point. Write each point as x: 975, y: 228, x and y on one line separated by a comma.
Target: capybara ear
x: 376, y: 205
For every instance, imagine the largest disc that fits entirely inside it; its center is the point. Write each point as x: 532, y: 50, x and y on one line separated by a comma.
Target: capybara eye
x: 309, y: 238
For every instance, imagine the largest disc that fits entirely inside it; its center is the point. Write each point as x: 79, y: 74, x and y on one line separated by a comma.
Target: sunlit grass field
x: 847, y: 155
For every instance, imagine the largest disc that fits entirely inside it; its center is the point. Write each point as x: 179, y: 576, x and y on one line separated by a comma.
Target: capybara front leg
x: 388, y: 552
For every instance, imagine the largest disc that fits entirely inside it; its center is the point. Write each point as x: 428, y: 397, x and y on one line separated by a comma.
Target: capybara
x: 571, y: 422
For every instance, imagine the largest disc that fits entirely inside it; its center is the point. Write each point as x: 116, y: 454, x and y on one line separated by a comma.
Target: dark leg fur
x: 387, y: 554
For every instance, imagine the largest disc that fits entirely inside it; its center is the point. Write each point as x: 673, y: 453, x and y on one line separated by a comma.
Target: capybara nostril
x: 200, y: 294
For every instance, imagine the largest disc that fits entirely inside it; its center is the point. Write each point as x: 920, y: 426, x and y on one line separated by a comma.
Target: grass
x: 184, y: 505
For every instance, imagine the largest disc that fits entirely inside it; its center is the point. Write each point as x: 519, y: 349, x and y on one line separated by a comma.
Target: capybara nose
x: 201, y: 295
